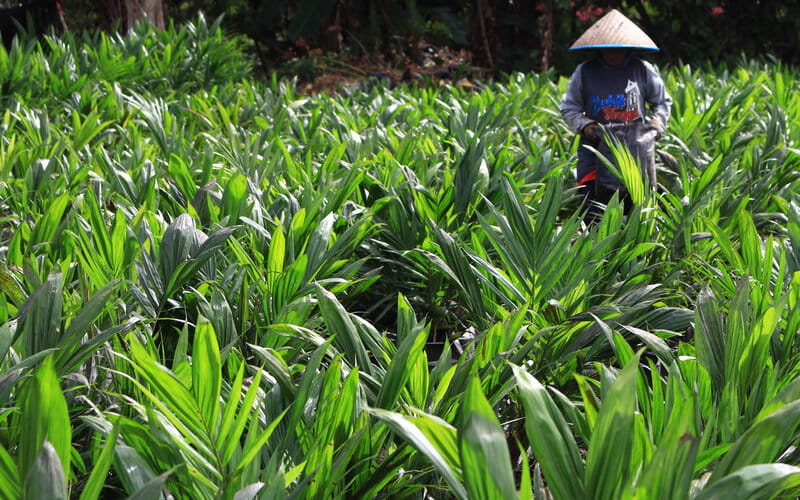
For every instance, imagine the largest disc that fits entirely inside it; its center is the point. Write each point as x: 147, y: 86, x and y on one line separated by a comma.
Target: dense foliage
x: 214, y: 286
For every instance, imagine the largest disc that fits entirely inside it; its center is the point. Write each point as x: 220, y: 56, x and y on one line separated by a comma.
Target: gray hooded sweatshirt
x: 614, y: 96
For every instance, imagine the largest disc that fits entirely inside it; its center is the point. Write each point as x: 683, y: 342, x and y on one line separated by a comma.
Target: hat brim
x: 614, y: 30
x: 616, y: 46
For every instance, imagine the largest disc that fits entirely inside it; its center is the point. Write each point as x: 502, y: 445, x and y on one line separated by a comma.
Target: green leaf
x: 188, y: 269
x: 10, y: 486
x: 309, y: 383
x: 710, y: 338
x: 754, y: 482
x: 456, y: 266
x: 408, y: 353
x: 276, y: 367
x: 167, y: 388
x: 231, y: 405
x: 762, y: 443
x: 485, y: 458
x: 750, y: 243
x: 10, y: 285
x: 237, y: 427
x: 437, y: 443
x: 219, y: 313
x: 151, y: 287
x: 525, y: 482
x: 153, y: 489
x: 346, y: 336
x: 179, y: 240
x: 47, y: 226
x: 318, y: 244
x: 206, y: 372
x: 554, y: 448
x: 46, y: 478
x: 80, y: 325
x: 276, y: 257
x: 68, y: 360
x: 669, y: 473
x: 41, y: 315
x: 234, y: 197
x: 47, y: 419
x: 789, y: 394
x: 73, y: 339
x: 249, y: 453
x: 99, y: 475
x: 471, y: 166
x: 133, y: 470
x: 286, y: 285
x: 87, y: 129
x: 7, y: 333
x: 608, y: 462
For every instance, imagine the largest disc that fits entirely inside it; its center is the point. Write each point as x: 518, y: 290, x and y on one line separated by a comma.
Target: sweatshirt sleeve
x: 572, y: 105
x: 659, y: 101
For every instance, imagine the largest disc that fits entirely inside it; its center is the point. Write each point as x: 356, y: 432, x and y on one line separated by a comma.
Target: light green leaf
x: 231, y: 439
x: 554, y: 448
x: 167, y: 387
x: 400, y: 368
x: 789, y: 394
x: 525, y: 482
x: 47, y: 419
x: 445, y: 445
x: 608, y: 462
x: 206, y: 373
x: 250, y: 451
x: 276, y: 256
x: 340, y: 325
x: 10, y: 486
x: 234, y: 197
x: 47, y: 226
x: 668, y: 475
x: 762, y: 442
x: 99, y: 475
x: 485, y: 458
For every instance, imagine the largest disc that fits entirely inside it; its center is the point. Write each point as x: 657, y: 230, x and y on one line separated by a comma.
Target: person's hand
x: 655, y: 124
x: 591, y: 132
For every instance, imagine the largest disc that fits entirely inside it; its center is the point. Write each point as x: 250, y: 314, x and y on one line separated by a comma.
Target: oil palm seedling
x: 216, y: 286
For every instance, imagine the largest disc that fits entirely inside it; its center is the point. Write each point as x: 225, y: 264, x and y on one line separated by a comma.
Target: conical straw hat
x: 614, y: 30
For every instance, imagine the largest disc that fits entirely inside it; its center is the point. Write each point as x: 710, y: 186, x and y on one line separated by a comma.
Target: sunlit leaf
x: 485, y: 458
x: 43, y: 400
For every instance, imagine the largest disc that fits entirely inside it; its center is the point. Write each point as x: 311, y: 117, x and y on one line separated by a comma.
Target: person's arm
x: 659, y: 101
x: 572, y: 105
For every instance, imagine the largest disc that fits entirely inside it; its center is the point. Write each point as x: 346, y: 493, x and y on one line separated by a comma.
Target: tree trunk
x: 153, y: 9
x: 546, y: 33
x: 127, y: 12
x: 480, y: 26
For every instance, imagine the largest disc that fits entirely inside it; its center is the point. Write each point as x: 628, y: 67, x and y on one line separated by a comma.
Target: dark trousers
x: 594, y: 198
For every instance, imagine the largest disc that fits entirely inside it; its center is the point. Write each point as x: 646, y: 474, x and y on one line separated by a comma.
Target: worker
x: 614, y: 92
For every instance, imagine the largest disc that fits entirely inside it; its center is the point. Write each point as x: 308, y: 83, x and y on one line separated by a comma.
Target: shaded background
x: 311, y: 37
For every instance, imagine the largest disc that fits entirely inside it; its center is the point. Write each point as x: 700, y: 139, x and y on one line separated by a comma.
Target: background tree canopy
x: 495, y: 35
